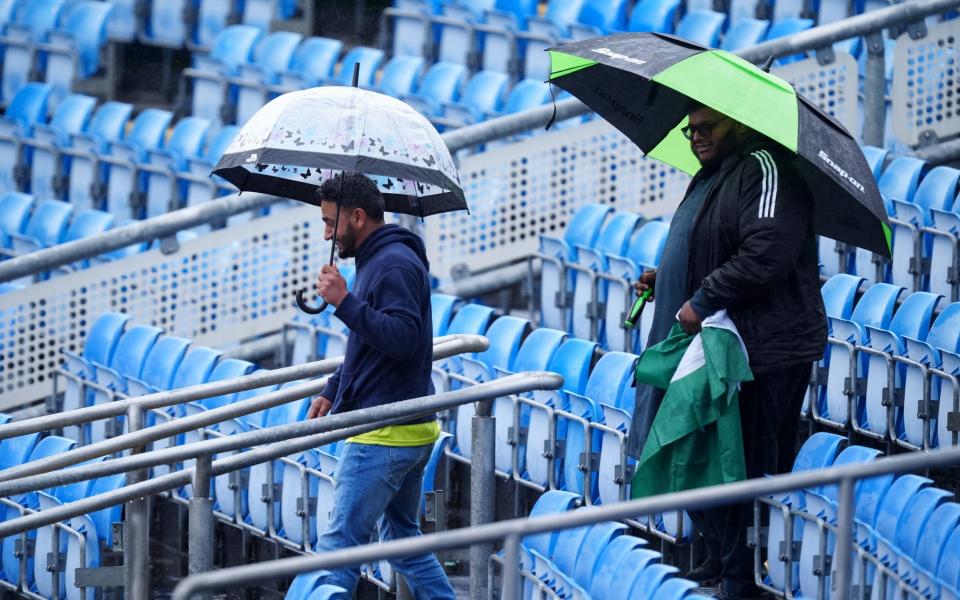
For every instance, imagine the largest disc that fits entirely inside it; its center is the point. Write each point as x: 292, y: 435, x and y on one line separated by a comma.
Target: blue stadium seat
x: 505, y: 335
x: 818, y: 452
x: 123, y: 189
x: 369, y: 60
x: 125, y: 23
x: 891, y: 516
x: 874, y: 309
x: 839, y: 294
x: 583, y: 229
x: 658, y: 16
x: 935, y: 192
x: 511, y: 13
x: 35, y: 19
x: 590, y: 293
x: 85, y: 223
x: 702, y: 27
x: 470, y: 319
x: 47, y: 227
x: 916, y: 515
x: 42, y: 151
x: 556, y: 21
x: 948, y: 571
x: 744, y: 33
x: 442, y: 306
x: 163, y: 191
x: 482, y: 98
x: 212, y: 20
x: 783, y: 10
x: 942, y: 523
x: 194, y: 179
x: 607, y: 574
x: 406, y: 32
x: 786, y: 27
x: 877, y: 159
x: 912, y: 319
x: 167, y: 24
x: 536, y: 61
x: 832, y: 10
x: 456, y: 41
x: 160, y: 366
x: 262, y: 13
x: 28, y: 108
x: 441, y: 83
x: 648, y: 581
x: 80, y: 165
x: 73, y: 51
x: 312, y: 64
x: 644, y: 253
x: 598, y: 17
x: 271, y: 56
x: 497, y: 39
x: 400, y: 74
x: 15, y: 208
x: 900, y: 179
x: 209, y: 74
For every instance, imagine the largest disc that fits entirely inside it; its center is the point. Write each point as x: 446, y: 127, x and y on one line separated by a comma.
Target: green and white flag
x: 695, y: 439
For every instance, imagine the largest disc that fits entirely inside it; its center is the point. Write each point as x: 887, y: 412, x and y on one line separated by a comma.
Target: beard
x: 346, y: 243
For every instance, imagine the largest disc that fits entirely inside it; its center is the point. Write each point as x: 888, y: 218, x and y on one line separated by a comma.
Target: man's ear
x: 359, y: 217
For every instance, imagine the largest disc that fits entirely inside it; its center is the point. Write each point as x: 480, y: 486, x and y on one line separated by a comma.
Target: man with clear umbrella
x: 741, y: 240
x: 389, y: 358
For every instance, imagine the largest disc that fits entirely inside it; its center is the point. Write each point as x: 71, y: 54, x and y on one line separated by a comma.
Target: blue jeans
x: 382, y: 484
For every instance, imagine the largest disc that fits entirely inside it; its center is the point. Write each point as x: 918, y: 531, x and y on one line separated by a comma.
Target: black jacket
x: 753, y: 252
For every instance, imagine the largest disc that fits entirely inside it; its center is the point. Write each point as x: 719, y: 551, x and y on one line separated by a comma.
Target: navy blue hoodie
x: 390, y: 349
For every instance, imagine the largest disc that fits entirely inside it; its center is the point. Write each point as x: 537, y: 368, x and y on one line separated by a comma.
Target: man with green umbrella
x: 742, y: 240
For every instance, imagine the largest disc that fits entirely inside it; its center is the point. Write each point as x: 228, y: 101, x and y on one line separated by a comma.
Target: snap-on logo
x: 617, y: 56
x: 252, y: 158
x: 840, y: 170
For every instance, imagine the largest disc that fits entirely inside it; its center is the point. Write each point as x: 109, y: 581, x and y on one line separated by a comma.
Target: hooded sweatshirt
x: 389, y: 353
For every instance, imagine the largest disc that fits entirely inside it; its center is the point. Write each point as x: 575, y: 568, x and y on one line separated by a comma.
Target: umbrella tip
x: 767, y: 64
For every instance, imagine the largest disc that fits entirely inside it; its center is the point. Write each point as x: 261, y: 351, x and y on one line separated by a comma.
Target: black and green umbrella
x: 642, y: 83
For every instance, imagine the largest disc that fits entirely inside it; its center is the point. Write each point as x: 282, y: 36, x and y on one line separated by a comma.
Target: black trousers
x: 769, y: 417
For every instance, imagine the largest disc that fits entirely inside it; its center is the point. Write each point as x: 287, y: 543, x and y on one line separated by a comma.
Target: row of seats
x: 95, y: 157
x: 46, y: 559
x: 245, y: 69
x: 906, y: 534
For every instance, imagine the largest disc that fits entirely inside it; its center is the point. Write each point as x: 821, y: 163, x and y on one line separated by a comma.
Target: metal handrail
x: 135, y: 439
x: 512, y: 530
x: 288, y: 439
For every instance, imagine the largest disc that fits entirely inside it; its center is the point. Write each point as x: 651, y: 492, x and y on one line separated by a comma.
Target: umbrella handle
x: 310, y: 310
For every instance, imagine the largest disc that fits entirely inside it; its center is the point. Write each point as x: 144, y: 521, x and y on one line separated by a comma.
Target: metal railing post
x: 842, y: 549
x: 874, y: 91
x: 511, y: 568
x: 136, y: 543
x: 201, y: 520
x: 482, y: 492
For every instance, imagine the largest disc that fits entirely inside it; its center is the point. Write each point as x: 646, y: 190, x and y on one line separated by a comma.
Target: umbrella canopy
x: 300, y: 139
x: 642, y: 83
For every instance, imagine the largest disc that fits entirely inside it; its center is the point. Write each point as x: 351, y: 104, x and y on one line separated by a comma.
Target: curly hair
x: 358, y: 191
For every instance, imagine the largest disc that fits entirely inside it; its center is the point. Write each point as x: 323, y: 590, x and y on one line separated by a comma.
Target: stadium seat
x: 80, y: 164
x: 589, y: 292
x: 891, y: 515
x: 160, y: 366
x: 598, y: 17
x: 28, y: 107
x: 271, y: 56
x: 648, y: 581
x: 455, y: 36
x: 784, y: 10
x: 42, y: 151
x: 644, y: 253
x: 839, y: 294
x: 744, y: 33
x: 482, y: 97
x: 942, y: 523
x: 85, y: 223
x: 34, y: 20
x: 702, y: 27
x: 312, y: 64
x: 471, y: 319
x: 406, y: 32
x: 832, y: 11
x: 369, y: 60
x: 442, y: 306
x: 15, y: 208
x: 933, y: 198
x: 876, y: 158
x: 916, y: 515
x: 783, y: 27
x: 400, y: 75
x: 658, y: 16
x: 900, y: 179
x: 163, y: 192
x: 194, y: 178
x: 73, y: 51
x: 441, y: 83
x: 556, y: 20
x: 210, y: 74
x: 583, y: 229
x: 607, y: 574
x: 47, y: 227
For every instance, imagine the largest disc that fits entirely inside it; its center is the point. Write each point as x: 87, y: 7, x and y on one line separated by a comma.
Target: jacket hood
x: 392, y: 234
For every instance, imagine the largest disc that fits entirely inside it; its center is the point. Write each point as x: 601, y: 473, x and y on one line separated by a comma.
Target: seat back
x: 658, y: 16
x: 14, y: 215
x: 221, y: 141
x: 606, y: 563
x: 895, y: 501
x: 647, y: 246
x: 584, y: 226
x: 109, y: 120
x: 617, y: 233
x: 73, y: 115
x: 744, y: 33
x: 28, y: 106
x: 916, y: 514
x: 913, y: 317
x: 234, y: 45
x: 369, y: 60
x: 606, y: 15
x: 149, y: 128
x: 594, y: 545
x: 850, y: 455
x: 87, y: 21
x: 164, y: 360
x: 485, y: 91
x: 471, y: 319
x: 945, y: 331
x: 49, y: 222
x: 839, y: 293
x: 16, y: 450
x: 187, y: 137
x: 569, y: 543
x: 818, y: 452
x: 88, y: 222
x: 527, y: 93
x: 228, y: 368
x: 196, y: 367
x: 876, y: 158
x: 702, y: 27
x: 103, y: 337
x: 274, y: 53
x: 538, y: 349
x: 442, y: 308
x: 783, y: 27
x: 900, y: 179
x: 40, y: 16
x: 942, y: 523
x: 132, y: 349
x: 505, y: 335
x: 51, y: 446
x: 400, y: 74
x: 875, y: 307
x: 937, y: 190
x: 573, y: 360
x: 611, y: 380
x: 442, y: 82
x: 315, y: 59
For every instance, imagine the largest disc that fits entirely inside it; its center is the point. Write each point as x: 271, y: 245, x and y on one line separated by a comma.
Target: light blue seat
x: 876, y: 158
x: 296, y: 525
x: 948, y: 571
x: 556, y: 282
x: 869, y: 496
x: 940, y: 350
x: 400, y: 74
x: 916, y: 515
x: 271, y: 56
x: 455, y: 38
x: 194, y: 178
x: 935, y: 194
x: 73, y: 51
x: 891, y: 517
x: 28, y: 107
x: 228, y: 368
x: 441, y: 83
x: 911, y: 320
x: 98, y: 347
x: 122, y: 190
x: 210, y: 74
x: 15, y: 208
x: 789, y: 9
x: 21, y: 36
x: 607, y: 575
x: 545, y: 544
x: 648, y: 581
x: 160, y: 367
x: 80, y: 164
x: 556, y: 21
x: 47, y: 227
x: 744, y: 33
x: 875, y: 309
x: 838, y: 293
x: 505, y: 335
x: 818, y: 452
x: 124, y: 22
x: 166, y: 25
x: 442, y: 306
x: 610, y: 387
x: 702, y: 27
x: 783, y: 27
x: 590, y: 293
x: 409, y: 31
x: 312, y: 64
x: 470, y: 319
x: 482, y: 98
x: 511, y: 13
x: 557, y: 573
x: 369, y: 60
x: 643, y: 254
x: 942, y: 523
x: 528, y: 93
x: 128, y: 360
x: 85, y: 223
x: 822, y: 504
x: 497, y: 38
x: 658, y: 16
x: 213, y: 17
x: 163, y: 190
x: 832, y: 10
x: 42, y: 151
x: 599, y: 17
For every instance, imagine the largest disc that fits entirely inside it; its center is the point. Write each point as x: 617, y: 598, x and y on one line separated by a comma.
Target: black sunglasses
x: 704, y: 129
